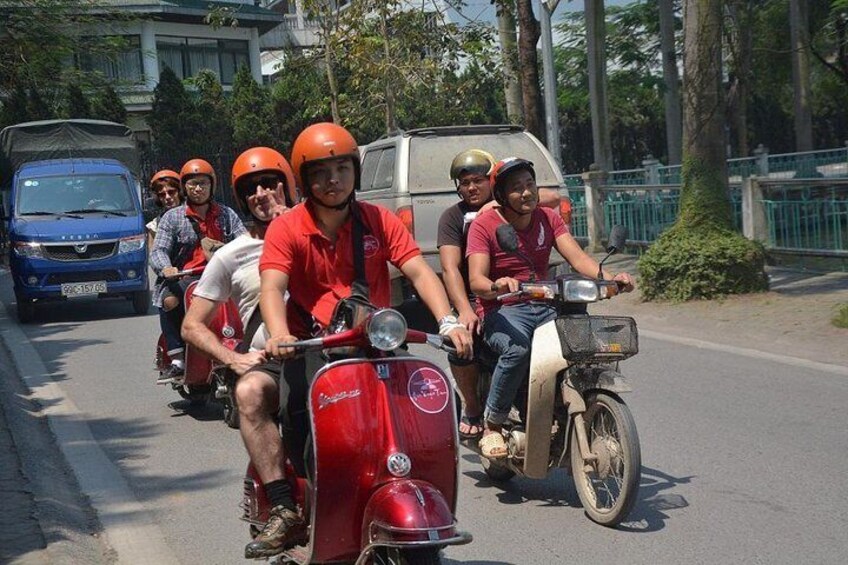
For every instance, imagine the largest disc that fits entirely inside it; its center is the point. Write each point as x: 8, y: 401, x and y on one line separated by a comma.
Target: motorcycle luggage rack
x: 601, y: 339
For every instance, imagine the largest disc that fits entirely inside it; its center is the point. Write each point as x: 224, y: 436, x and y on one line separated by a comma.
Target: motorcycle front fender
x: 584, y: 379
x: 409, y: 512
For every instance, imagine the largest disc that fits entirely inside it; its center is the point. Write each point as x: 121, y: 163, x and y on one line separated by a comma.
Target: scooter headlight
x: 386, y: 329
x: 580, y: 290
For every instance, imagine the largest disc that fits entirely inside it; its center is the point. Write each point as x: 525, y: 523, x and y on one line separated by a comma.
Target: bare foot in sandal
x: 492, y: 445
x: 471, y: 427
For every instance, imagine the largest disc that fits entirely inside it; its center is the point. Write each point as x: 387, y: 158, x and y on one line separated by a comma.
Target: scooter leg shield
x: 409, y: 512
x: 546, y: 361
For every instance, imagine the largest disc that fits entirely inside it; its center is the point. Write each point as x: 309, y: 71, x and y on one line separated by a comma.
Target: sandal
x: 492, y: 446
x: 471, y: 422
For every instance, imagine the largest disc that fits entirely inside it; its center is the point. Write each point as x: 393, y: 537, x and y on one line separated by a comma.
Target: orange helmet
x: 198, y: 167
x: 502, y: 169
x: 162, y: 175
x: 321, y: 141
x: 261, y: 160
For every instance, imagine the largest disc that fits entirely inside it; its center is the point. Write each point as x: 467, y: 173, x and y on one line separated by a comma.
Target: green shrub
x: 707, y: 262
x: 840, y: 320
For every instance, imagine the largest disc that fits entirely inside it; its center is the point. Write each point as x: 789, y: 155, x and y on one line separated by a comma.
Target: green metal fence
x: 645, y: 211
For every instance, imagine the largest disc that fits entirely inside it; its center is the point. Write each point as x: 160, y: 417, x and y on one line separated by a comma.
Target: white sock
x: 178, y: 363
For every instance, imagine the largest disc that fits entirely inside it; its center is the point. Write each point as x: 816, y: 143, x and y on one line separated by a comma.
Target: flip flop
x: 492, y: 446
x: 472, y: 422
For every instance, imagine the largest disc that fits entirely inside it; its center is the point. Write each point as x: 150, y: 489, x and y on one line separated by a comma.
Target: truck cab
x: 76, y: 229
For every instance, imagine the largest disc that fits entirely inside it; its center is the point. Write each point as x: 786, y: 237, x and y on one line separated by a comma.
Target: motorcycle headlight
x: 580, y: 291
x: 386, y: 329
x: 130, y: 244
x: 29, y: 250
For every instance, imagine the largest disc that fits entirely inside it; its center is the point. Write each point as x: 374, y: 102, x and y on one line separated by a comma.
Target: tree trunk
x: 799, y: 26
x: 387, y: 81
x: 742, y: 45
x: 595, y: 38
x: 703, y: 196
x: 671, y: 78
x: 531, y: 95
x: 512, y: 86
x: 334, y: 87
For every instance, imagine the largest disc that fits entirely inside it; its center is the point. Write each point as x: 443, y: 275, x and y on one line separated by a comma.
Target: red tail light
x: 408, y: 219
x: 565, y: 210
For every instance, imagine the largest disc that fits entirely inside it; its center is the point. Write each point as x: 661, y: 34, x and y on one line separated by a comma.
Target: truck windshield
x: 78, y: 194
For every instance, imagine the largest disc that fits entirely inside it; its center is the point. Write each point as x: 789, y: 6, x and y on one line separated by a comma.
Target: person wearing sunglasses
x: 186, y: 237
x: 165, y: 190
x: 263, y: 188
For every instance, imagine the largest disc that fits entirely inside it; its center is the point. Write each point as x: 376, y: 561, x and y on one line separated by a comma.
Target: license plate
x: 83, y: 288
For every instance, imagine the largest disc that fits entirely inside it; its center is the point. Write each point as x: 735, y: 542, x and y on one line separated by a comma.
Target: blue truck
x: 75, y: 223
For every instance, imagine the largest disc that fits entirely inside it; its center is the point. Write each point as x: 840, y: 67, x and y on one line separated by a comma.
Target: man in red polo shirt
x: 309, y: 253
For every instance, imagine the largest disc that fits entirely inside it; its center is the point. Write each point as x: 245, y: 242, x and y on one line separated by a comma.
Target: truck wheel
x: 141, y: 302
x: 26, y: 311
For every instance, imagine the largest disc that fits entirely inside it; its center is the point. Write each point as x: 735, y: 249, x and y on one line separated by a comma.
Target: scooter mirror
x: 617, y: 239
x: 507, y: 238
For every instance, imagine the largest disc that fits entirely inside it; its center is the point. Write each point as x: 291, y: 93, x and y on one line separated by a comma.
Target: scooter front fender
x: 411, y: 513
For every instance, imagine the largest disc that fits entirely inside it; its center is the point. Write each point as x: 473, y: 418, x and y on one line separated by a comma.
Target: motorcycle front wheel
x: 608, y: 487
x: 399, y: 556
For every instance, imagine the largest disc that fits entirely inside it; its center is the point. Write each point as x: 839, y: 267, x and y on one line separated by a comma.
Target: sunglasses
x: 265, y: 181
x: 198, y: 183
x: 163, y: 193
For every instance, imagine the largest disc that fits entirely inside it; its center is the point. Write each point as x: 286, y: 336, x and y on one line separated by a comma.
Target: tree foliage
x: 250, y: 112
x: 167, y: 119
x: 76, y: 103
x: 107, y: 106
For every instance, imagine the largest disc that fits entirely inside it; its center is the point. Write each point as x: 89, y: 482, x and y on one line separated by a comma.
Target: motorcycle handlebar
x: 185, y: 273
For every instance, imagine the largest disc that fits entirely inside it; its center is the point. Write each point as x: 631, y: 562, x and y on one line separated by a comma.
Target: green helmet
x: 474, y: 161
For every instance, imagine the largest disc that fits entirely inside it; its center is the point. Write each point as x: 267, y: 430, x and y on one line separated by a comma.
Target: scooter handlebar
x: 185, y: 273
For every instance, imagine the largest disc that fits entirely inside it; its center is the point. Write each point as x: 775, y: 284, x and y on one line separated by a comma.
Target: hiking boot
x: 172, y: 374
x: 283, y: 529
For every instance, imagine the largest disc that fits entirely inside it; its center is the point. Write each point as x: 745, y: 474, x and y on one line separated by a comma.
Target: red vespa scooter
x: 204, y: 378
x: 382, y: 476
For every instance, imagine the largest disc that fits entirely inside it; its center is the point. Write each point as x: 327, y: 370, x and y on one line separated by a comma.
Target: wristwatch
x: 448, y: 319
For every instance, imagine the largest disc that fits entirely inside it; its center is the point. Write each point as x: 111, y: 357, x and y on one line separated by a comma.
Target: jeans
x: 171, y: 322
x: 509, y: 333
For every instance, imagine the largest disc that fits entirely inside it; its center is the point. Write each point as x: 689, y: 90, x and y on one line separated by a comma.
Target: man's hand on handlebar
x: 462, y: 341
x: 505, y: 285
x: 275, y: 347
x: 625, y: 281
x: 244, y: 362
x: 169, y: 271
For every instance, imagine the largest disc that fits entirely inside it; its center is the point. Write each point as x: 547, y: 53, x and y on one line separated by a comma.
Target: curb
x: 128, y: 528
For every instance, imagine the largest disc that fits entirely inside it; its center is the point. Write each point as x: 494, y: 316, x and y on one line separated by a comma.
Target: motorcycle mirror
x: 617, y: 239
x: 507, y: 238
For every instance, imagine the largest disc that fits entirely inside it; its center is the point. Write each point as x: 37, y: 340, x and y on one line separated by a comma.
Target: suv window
x: 378, y: 169
x: 430, y: 158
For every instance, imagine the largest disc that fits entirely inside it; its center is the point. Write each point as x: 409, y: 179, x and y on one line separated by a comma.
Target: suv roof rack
x: 465, y: 130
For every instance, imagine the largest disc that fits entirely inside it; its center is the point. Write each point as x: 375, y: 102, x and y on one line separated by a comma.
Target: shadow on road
x: 650, y: 512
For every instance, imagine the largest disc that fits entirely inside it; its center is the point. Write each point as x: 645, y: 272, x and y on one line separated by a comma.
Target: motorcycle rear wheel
x: 609, y: 491
x: 398, y: 556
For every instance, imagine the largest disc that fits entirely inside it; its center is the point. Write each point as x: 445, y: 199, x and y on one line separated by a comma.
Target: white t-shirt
x: 233, y: 272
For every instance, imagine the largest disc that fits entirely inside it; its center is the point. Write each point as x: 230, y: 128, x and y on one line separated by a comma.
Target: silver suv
x: 408, y: 173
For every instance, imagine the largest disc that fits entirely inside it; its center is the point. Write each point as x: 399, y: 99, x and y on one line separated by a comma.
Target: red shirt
x: 535, y: 242
x: 208, y: 228
x: 320, y: 272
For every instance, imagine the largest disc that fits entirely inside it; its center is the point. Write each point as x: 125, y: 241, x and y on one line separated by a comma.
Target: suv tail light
x: 565, y: 210
x: 408, y: 218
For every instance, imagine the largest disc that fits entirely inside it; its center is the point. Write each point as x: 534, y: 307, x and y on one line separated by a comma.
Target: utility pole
x: 549, y: 81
